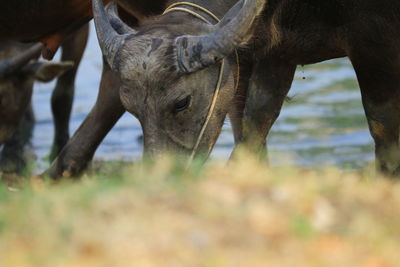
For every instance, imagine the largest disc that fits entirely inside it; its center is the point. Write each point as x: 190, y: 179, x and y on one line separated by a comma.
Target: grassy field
x: 240, y: 214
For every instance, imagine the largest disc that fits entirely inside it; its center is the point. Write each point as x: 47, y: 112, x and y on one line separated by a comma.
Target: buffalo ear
x: 47, y: 71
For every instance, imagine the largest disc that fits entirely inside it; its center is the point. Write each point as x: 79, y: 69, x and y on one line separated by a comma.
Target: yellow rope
x: 187, y: 11
x: 175, y: 7
x: 210, y: 113
x: 208, y: 12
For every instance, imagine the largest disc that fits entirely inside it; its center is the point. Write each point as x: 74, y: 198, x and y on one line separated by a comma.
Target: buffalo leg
x: 63, y: 94
x: 12, y: 159
x: 379, y: 79
x: 239, y: 101
x: 80, y: 149
x: 268, y: 87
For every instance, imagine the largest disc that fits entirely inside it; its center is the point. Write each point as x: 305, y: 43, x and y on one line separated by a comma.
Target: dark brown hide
x: 298, y: 32
x: 48, y: 21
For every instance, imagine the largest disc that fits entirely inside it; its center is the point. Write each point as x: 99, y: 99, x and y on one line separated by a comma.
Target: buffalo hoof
x: 15, y: 164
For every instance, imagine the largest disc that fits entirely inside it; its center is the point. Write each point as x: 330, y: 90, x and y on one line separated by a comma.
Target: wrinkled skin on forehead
x: 155, y: 93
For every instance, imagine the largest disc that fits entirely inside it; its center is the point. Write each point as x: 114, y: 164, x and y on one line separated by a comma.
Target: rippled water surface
x: 322, y: 124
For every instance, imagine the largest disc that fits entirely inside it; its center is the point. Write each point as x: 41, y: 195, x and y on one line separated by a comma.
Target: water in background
x: 323, y: 123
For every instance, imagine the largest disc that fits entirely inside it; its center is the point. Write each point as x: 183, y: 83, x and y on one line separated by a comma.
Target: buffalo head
x: 19, y: 68
x: 169, y: 70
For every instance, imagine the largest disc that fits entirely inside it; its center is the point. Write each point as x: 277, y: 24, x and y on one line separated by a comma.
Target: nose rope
x: 177, y: 7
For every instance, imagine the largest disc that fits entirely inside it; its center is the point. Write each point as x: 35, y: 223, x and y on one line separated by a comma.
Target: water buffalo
x: 169, y: 92
x: 19, y: 68
x: 163, y: 68
x: 16, y: 82
x: 299, y: 32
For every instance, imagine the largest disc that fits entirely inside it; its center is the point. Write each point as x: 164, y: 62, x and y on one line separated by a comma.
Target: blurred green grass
x: 237, y: 214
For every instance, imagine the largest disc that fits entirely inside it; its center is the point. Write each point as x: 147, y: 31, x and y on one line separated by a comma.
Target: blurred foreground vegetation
x: 240, y: 214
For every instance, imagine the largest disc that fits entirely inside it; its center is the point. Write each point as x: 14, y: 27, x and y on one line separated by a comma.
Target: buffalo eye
x: 183, y: 104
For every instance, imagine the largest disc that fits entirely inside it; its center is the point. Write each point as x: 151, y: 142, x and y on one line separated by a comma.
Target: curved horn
x: 197, y: 52
x: 110, y: 41
x: 116, y: 22
x: 13, y: 64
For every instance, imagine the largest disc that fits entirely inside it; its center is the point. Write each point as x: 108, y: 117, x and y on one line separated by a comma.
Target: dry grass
x: 241, y: 215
